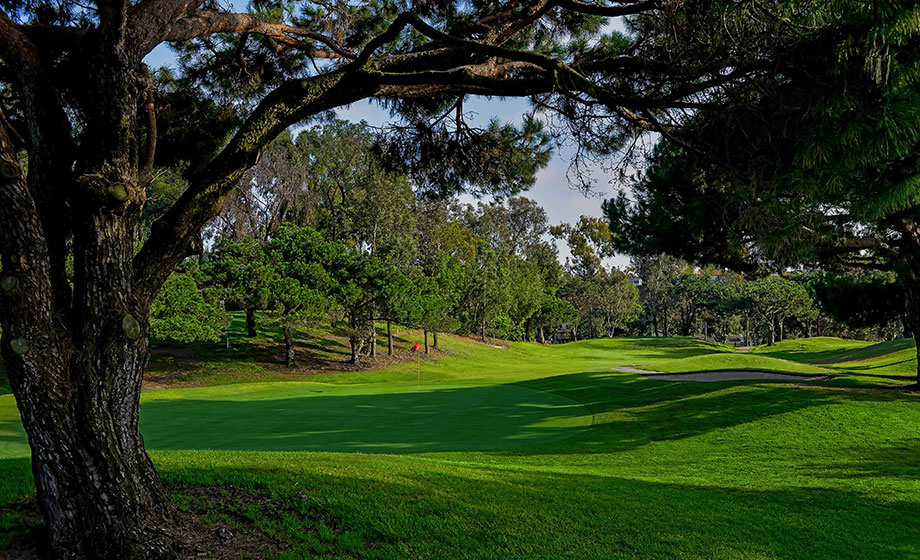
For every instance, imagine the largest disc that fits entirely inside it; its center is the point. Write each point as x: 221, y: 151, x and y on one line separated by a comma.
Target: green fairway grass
x: 830, y: 350
x: 532, y: 452
x: 735, y: 362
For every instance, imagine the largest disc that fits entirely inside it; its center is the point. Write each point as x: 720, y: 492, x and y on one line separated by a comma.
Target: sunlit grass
x: 531, y: 452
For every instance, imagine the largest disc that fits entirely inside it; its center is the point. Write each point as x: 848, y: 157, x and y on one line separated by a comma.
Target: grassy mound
x: 814, y: 349
x: 830, y: 350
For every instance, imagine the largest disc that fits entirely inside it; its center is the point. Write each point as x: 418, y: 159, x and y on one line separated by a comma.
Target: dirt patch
x: 182, y: 367
x: 224, y: 523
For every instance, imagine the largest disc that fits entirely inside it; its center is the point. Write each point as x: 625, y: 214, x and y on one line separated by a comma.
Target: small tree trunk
x: 426, y: 340
x: 355, y: 349
x: 771, y: 329
x: 542, y: 338
x: 374, y: 344
x: 482, y: 332
x: 527, y: 330
x: 911, y: 285
x: 389, y: 337
x: 251, y: 323
x: 435, y: 336
x: 288, y: 346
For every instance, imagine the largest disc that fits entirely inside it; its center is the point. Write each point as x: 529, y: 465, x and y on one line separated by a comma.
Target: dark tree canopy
x: 814, y: 163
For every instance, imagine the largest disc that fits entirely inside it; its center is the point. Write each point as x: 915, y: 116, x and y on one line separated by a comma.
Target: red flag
x: 415, y: 348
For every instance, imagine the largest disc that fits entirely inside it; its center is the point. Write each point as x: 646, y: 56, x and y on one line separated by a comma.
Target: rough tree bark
x: 289, y: 349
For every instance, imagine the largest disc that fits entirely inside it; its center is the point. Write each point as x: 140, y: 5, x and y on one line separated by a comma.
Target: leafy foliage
x: 180, y: 313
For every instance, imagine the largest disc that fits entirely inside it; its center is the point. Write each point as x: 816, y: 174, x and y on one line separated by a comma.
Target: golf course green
x: 533, y: 452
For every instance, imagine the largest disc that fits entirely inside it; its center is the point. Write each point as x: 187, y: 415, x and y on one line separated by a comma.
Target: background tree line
x: 325, y: 230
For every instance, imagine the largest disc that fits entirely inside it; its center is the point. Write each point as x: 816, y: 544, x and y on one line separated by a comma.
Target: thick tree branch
x: 150, y: 19
x: 177, y: 234
x: 145, y: 171
x: 25, y: 282
x: 209, y: 23
x: 16, y: 49
x: 857, y: 244
x: 617, y: 10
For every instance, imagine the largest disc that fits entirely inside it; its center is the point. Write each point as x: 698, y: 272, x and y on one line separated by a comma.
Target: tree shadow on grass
x: 890, y: 460
x: 328, y: 419
x: 834, y: 356
x: 419, y: 509
x: 568, y: 414
x: 575, y: 413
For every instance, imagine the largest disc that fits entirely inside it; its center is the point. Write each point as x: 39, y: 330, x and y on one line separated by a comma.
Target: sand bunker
x: 711, y: 376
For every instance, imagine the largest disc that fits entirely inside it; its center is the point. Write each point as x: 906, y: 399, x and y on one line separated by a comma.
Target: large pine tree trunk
x: 98, y: 492
x: 76, y: 376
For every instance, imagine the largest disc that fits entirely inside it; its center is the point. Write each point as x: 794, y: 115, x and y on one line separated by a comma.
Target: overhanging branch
x: 210, y: 22
x: 856, y: 245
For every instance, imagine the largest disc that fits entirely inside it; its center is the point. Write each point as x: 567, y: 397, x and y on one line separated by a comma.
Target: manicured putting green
x: 366, y: 418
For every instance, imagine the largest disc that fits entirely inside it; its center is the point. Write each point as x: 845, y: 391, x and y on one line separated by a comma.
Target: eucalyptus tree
x: 83, y: 112
x: 590, y: 241
x: 774, y: 299
x: 656, y: 274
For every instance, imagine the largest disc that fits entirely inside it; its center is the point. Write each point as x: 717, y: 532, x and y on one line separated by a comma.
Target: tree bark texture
x: 289, y: 349
x: 251, y: 323
x: 389, y: 338
x: 425, y: 336
x: 434, y: 336
x: 76, y: 375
